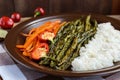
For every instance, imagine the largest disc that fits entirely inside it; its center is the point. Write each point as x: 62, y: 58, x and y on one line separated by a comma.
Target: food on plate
x: 101, y: 51
x: 16, y: 17
x: 68, y: 41
x: 40, y: 51
x: 6, y: 22
x: 38, y: 38
x: 80, y: 44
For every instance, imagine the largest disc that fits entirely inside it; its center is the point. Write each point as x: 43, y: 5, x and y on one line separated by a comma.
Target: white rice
x: 101, y: 52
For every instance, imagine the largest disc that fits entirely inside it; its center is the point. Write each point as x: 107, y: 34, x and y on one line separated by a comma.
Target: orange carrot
x: 57, y: 27
x: 31, y: 38
x: 39, y: 30
x: 23, y: 34
x: 19, y: 46
x: 32, y: 41
x: 25, y: 53
x: 32, y: 30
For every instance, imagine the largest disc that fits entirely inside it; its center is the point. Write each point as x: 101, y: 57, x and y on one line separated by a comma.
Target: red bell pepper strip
x: 45, y: 46
x: 40, y: 51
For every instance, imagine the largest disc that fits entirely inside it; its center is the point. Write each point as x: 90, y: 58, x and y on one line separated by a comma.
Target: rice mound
x: 101, y: 51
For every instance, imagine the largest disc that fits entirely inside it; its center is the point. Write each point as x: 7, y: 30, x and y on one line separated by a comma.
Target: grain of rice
x: 101, y: 52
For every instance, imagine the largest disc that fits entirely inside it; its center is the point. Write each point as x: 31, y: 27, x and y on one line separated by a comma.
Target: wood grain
x: 116, y: 7
x: 26, y: 7
x: 83, y: 6
x: 6, y: 7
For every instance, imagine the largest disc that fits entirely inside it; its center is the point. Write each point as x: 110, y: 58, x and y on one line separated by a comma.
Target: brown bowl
x: 14, y: 38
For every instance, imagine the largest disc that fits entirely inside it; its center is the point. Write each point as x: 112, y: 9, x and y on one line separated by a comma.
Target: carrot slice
x: 23, y: 34
x: 45, y: 26
x: 34, y: 35
x: 25, y: 53
x: 32, y: 41
x: 19, y: 46
x: 32, y: 30
x: 57, y: 27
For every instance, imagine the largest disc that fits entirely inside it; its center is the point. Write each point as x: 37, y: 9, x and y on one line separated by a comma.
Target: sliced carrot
x: 34, y: 35
x: 57, y: 27
x: 23, y: 34
x: 46, y: 24
x: 32, y: 30
x: 39, y: 30
x: 29, y: 47
x: 32, y: 41
x: 25, y: 53
x: 20, y: 46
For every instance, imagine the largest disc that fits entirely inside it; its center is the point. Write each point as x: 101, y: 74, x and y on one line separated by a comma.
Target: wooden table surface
x: 115, y: 16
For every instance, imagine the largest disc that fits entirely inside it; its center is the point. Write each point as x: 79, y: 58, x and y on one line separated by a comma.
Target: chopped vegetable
x: 68, y: 42
x: 67, y: 39
x: 36, y: 43
x: 35, y: 34
x: 46, y: 26
x: 44, y: 46
x: 47, y: 35
x: 40, y: 51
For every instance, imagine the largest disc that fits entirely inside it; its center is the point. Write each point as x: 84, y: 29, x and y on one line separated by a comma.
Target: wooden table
x: 115, y: 16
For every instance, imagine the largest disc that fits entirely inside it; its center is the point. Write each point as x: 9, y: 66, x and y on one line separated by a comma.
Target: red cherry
x: 6, y: 22
x: 39, y: 11
x: 16, y: 17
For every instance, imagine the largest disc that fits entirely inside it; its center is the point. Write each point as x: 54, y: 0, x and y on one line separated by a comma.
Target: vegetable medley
x: 56, y: 43
x: 36, y: 44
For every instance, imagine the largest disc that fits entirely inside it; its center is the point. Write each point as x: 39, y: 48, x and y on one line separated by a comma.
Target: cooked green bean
x: 68, y: 42
x: 66, y: 61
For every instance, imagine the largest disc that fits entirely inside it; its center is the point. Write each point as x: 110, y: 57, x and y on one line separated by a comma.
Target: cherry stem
x: 36, y: 14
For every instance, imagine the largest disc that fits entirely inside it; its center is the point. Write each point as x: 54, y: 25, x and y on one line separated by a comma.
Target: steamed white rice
x: 101, y: 52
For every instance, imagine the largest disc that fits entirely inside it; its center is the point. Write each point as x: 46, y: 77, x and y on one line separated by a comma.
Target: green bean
x: 87, y: 23
x: 69, y: 51
x: 62, y: 52
x: 64, y: 43
x: 68, y: 42
x: 68, y: 59
x: 51, y: 53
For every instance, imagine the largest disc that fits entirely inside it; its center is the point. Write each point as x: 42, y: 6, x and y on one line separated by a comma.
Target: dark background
x: 26, y: 7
